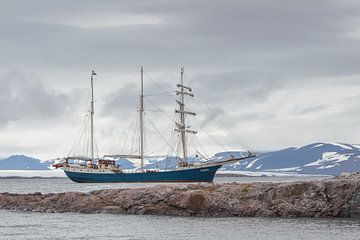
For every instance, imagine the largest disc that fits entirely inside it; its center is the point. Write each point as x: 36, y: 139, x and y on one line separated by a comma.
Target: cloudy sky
x: 276, y: 73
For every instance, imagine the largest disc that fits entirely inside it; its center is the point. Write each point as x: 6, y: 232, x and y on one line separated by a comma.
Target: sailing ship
x: 100, y: 170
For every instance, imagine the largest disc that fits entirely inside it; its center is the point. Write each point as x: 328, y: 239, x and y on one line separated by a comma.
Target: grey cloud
x: 284, y: 37
x: 25, y: 98
x: 302, y: 110
x: 122, y: 101
x: 159, y: 95
x: 243, y: 87
x: 211, y: 117
x: 243, y: 55
x: 255, y: 116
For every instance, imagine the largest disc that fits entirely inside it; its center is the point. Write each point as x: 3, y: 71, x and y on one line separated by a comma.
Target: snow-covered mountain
x: 316, y: 158
x: 125, y: 163
x: 21, y: 162
x: 169, y: 163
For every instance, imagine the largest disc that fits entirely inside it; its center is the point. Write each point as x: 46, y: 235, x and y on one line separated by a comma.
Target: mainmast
x: 142, y: 120
x: 181, y: 126
x: 92, y: 114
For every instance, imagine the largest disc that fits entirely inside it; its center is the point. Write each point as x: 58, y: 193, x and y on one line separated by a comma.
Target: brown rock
x: 336, y: 197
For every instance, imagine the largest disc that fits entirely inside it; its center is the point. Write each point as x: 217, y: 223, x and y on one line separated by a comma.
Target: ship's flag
x: 93, y: 72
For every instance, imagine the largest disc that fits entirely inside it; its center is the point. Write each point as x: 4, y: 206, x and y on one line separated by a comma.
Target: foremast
x: 181, y: 126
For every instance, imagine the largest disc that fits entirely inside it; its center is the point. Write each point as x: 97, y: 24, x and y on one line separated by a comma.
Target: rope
x: 223, y: 124
x: 159, y: 132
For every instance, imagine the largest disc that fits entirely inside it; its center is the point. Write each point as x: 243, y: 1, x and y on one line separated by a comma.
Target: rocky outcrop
x: 336, y: 197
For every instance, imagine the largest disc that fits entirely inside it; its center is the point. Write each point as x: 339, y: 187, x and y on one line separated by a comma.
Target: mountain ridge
x: 316, y: 158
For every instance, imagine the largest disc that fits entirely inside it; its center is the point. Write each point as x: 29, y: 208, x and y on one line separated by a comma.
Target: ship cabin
x: 107, y: 164
x: 185, y: 164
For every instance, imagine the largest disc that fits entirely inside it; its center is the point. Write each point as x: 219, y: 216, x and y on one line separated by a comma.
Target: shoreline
x: 54, y: 174
x: 34, y: 177
x: 334, y: 197
x: 221, y: 175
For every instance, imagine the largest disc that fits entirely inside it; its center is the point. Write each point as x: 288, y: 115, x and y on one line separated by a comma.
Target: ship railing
x: 137, y: 170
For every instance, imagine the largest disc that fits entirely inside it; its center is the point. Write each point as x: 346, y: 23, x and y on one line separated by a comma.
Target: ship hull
x: 199, y: 174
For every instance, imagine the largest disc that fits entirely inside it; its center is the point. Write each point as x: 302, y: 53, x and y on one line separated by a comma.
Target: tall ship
x: 94, y: 169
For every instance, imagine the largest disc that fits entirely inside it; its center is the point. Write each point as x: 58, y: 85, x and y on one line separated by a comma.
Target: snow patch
x: 268, y: 174
x: 316, y: 146
x: 330, y: 157
x: 328, y: 166
x: 285, y: 169
x: 252, y: 163
x: 341, y: 145
x: 356, y: 146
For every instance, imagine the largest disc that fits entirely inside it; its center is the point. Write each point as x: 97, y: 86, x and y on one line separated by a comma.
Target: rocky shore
x: 335, y: 197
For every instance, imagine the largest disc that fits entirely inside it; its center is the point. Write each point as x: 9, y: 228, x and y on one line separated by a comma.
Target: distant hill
x: 316, y: 158
x: 169, y: 163
x: 125, y: 163
x: 21, y: 162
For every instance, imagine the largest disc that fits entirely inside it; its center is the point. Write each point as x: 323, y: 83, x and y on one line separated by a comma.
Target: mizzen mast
x: 92, y: 115
x: 181, y: 126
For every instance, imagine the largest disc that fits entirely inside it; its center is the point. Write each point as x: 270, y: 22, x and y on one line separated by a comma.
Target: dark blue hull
x: 204, y: 174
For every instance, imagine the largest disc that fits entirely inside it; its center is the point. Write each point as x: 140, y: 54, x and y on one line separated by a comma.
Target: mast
x: 181, y: 127
x: 92, y: 114
x: 182, y: 115
x: 141, y: 116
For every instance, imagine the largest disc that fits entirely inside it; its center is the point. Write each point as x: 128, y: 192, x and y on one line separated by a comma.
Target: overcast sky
x: 278, y: 73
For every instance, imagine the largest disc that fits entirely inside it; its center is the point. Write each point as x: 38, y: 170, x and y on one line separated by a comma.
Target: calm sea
x: 20, y: 225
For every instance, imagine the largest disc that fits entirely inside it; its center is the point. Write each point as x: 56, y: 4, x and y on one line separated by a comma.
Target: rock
x: 335, y: 197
